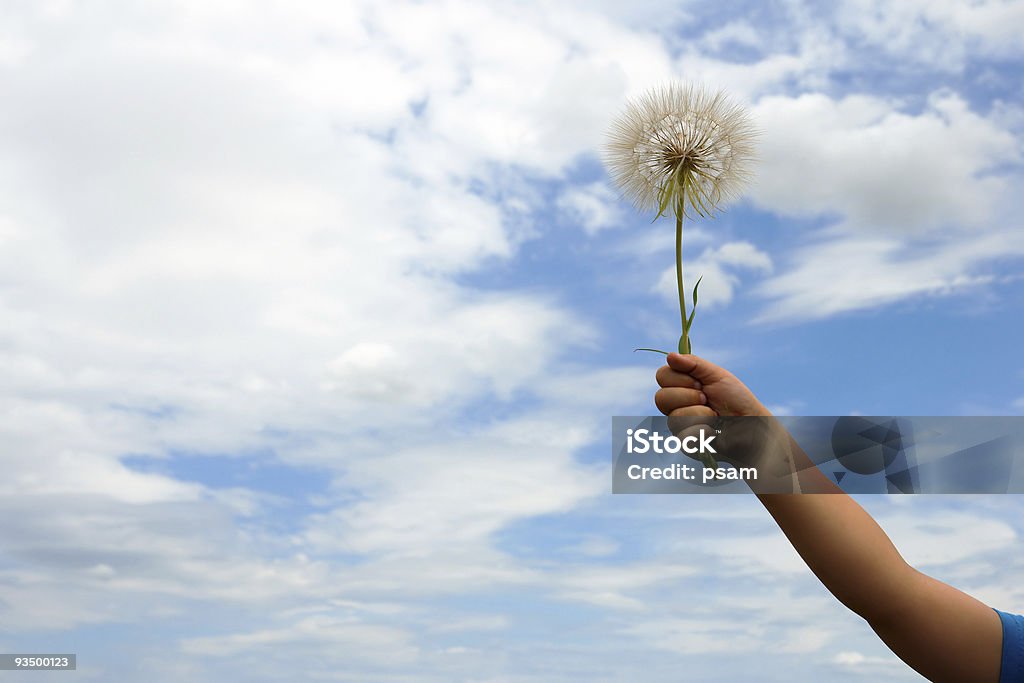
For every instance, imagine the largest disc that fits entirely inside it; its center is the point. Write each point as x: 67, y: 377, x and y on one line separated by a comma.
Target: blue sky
x: 315, y: 318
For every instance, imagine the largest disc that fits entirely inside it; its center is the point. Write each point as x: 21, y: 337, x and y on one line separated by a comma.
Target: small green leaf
x: 683, y: 190
x: 693, y: 311
x: 665, y: 194
x: 697, y: 195
x: 654, y: 350
x: 698, y: 198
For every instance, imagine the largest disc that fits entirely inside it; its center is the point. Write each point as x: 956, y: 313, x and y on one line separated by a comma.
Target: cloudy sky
x: 314, y: 316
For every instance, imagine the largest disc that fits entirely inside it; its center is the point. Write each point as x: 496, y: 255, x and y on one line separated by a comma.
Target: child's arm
x: 942, y: 633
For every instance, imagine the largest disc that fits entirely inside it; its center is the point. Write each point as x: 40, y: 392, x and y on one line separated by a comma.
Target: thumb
x: 703, y: 371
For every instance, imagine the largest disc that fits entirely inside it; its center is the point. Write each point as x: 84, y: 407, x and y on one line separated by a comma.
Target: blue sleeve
x: 1012, y: 667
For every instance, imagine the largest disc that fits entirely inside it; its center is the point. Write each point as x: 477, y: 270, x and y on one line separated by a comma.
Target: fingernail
x: 703, y: 398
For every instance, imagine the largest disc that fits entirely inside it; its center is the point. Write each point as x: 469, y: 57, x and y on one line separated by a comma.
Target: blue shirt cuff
x: 1012, y: 663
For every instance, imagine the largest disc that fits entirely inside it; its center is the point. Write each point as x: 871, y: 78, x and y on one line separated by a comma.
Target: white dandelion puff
x: 681, y: 142
x: 684, y: 147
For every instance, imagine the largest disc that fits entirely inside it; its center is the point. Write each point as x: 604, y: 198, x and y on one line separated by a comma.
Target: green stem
x: 684, y: 341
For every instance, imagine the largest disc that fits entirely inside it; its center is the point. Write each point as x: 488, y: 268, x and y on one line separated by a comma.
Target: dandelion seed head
x: 683, y: 139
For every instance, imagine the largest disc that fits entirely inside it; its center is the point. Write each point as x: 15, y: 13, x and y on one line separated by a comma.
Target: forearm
x: 845, y: 548
x: 943, y: 633
x: 839, y: 541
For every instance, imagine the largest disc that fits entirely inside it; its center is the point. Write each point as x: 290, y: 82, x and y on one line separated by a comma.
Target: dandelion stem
x: 684, y: 340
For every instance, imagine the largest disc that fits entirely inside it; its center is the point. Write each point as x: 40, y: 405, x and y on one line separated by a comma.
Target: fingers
x: 670, y: 399
x: 667, y: 377
x: 693, y: 411
x: 703, y: 371
x: 690, y: 420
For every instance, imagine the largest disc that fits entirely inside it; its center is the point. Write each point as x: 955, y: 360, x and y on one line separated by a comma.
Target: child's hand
x: 694, y: 392
x: 694, y: 387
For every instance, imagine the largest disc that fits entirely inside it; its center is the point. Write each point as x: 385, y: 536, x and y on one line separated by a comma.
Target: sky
x: 315, y: 315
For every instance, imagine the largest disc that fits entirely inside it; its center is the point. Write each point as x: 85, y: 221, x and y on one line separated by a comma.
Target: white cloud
x: 221, y: 231
x: 346, y: 638
x: 733, y: 33
x: 890, y: 183
x: 755, y: 555
x: 849, y: 658
x: 700, y: 636
x: 850, y: 273
x: 419, y: 499
x: 595, y: 546
x: 876, y: 666
x: 881, y: 169
x: 88, y: 557
x: 594, y: 206
x: 940, y: 34
x: 620, y: 587
x: 717, y: 269
x: 794, y: 50
x: 941, y: 538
